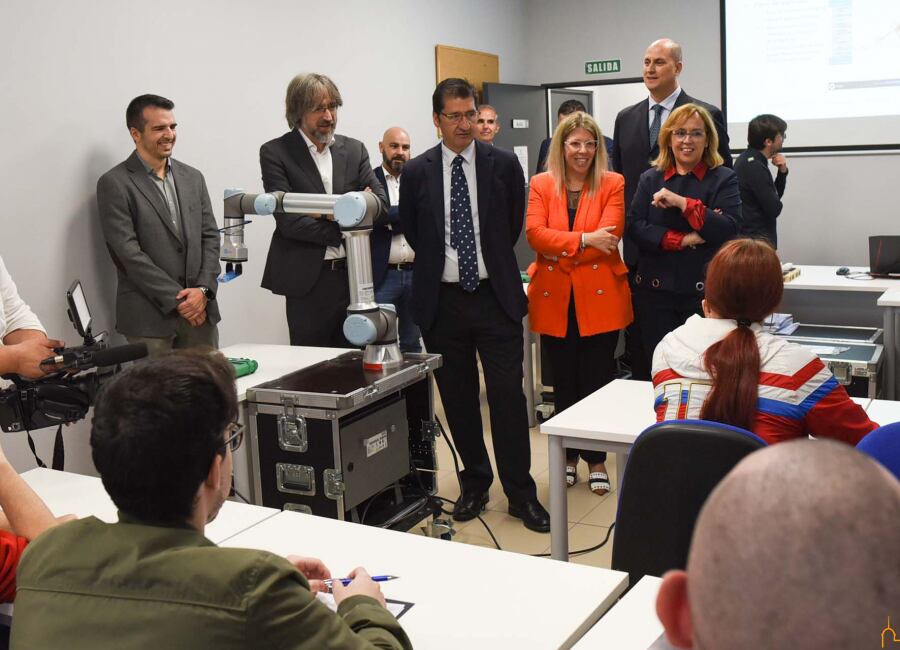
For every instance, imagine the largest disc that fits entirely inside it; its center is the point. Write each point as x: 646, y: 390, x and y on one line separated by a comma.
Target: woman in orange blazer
x: 578, y: 299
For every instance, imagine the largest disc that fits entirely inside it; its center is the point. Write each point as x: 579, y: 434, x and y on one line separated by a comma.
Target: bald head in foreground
x: 796, y: 548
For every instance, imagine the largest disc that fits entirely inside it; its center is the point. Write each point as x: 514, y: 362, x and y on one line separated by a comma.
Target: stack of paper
x: 780, y: 324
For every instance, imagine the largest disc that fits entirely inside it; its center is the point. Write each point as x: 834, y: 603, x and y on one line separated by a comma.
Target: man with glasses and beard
x: 392, y: 256
x: 163, y: 436
x: 307, y: 262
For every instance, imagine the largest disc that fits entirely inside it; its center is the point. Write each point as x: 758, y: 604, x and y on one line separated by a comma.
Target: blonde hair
x: 679, y: 116
x: 556, y: 159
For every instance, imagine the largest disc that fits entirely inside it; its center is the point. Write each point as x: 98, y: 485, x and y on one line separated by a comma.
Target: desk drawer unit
x: 340, y: 442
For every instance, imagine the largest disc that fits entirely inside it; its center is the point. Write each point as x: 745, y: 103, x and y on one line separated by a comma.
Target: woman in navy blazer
x: 685, y: 207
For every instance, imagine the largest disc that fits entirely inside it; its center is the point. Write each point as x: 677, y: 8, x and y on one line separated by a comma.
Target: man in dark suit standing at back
x: 162, y: 236
x: 565, y: 109
x: 392, y: 256
x: 635, y: 144
x: 307, y: 262
x: 462, y: 204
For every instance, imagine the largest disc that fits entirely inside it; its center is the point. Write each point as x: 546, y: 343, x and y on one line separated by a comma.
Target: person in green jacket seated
x: 162, y: 439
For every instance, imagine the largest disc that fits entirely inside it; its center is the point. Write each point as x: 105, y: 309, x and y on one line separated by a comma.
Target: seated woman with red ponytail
x: 725, y: 368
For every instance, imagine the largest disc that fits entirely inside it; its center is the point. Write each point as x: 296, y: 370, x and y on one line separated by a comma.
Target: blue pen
x: 347, y: 581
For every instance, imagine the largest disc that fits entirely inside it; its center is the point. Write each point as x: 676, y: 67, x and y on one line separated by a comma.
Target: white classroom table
x: 66, y: 493
x: 609, y: 420
x: 884, y: 411
x: 631, y: 624
x: 274, y: 361
x: 825, y: 278
x: 464, y: 596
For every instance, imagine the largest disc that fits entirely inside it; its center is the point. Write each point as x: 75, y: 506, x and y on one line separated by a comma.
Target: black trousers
x: 581, y: 365
x: 467, y: 323
x: 634, y: 344
x: 659, y: 312
x: 317, y: 318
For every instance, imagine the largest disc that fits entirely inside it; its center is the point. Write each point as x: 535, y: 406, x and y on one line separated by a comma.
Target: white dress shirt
x: 451, y: 263
x: 323, y: 164
x: 401, y: 251
x: 668, y: 104
x: 14, y: 313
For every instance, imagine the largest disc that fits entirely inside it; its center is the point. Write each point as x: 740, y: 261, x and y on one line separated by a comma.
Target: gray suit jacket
x: 155, y: 261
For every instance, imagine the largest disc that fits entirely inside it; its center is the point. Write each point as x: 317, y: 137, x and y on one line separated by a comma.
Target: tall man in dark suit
x: 392, y: 256
x: 307, y: 262
x: 462, y: 205
x: 635, y: 144
x: 162, y: 235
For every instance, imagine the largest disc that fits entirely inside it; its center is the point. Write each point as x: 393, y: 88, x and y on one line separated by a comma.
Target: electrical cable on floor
x: 459, y: 481
x: 590, y: 549
x: 483, y: 522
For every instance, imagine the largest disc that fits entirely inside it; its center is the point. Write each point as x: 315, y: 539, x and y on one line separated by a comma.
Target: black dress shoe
x: 532, y: 514
x: 470, y: 505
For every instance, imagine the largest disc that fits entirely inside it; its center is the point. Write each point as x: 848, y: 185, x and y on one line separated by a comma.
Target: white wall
x: 832, y: 203
x: 71, y: 67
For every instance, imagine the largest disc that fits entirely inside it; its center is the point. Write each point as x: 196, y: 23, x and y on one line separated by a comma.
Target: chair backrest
x: 672, y: 469
x: 883, y: 444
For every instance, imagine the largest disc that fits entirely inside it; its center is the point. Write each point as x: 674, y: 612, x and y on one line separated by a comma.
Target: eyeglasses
x: 234, y: 436
x: 331, y: 107
x: 457, y: 117
x: 684, y: 134
x: 577, y: 145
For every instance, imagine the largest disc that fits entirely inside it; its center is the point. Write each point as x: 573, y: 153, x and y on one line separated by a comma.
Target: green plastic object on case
x: 243, y: 367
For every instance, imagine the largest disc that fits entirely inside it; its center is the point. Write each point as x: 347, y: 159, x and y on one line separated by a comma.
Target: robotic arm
x: 368, y: 323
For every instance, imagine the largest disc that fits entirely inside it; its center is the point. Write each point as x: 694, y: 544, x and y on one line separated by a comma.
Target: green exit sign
x: 603, y: 67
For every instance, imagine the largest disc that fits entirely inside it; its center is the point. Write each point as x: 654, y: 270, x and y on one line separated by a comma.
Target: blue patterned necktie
x: 462, y: 232
x: 654, y: 128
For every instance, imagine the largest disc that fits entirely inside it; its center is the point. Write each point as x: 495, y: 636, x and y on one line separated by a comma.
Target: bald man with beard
x: 392, y: 256
x: 796, y: 548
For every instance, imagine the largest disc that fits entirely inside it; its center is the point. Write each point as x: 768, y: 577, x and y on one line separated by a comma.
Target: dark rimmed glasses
x: 234, y: 436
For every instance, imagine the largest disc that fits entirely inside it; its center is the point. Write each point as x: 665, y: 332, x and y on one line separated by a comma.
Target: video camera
x: 67, y: 394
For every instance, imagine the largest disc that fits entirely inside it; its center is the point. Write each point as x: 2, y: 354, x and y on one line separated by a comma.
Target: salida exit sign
x: 606, y: 66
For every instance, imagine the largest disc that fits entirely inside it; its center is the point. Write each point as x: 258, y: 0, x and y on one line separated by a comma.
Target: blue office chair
x: 672, y: 469
x: 883, y: 444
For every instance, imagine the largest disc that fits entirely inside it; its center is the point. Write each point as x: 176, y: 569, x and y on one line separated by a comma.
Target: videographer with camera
x: 25, y: 343
x: 24, y: 516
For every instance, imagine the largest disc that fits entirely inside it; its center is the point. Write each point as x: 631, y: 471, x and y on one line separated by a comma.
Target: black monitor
x: 884, y: 255
x: 79, y: 313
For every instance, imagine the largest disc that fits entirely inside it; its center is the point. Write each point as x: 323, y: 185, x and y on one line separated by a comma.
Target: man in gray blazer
x: 162, y: 236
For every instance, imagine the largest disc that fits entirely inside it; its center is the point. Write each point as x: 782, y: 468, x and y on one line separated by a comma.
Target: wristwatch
x: 207, y: 292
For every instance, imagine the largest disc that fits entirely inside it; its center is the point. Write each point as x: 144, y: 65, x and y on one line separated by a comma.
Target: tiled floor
x: 589, y: 515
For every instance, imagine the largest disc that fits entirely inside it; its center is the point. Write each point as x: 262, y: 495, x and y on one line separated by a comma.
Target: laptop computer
x: 884, y: 256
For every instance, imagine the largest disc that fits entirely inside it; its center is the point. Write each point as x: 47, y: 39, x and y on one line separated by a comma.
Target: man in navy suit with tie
x: 462, y: 205
x: 635, y: 144
x: 392, y: 256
